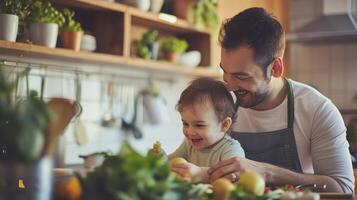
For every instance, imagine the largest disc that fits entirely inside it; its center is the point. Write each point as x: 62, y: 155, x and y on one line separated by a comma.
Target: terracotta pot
x: 71, y: 40
x: 181, y: 8
x: 172, y: 56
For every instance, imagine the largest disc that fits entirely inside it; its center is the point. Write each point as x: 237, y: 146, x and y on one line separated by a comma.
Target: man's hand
x: 273, y: 175
x: 233, y: 167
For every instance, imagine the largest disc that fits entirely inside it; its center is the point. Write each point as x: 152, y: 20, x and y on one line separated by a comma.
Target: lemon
x: 176, y: 161
x: 222, y: 188
x: 252, y: 182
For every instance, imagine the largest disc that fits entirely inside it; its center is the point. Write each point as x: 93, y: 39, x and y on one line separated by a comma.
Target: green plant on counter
x: 130, y: 175
x: 174, y: 44
x: 44, y: 12
x: 204, y: 13
x: 22, y: 123
x: 70, y: 24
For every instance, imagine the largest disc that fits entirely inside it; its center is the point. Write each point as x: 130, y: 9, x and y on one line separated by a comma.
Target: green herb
x: 143, y: 51
x: 16, y: 7
x: 174, y: 44
x: 129, y: 175
x: 70, y: 24
x: 22, y: 123
x: 204, y: 13
x: 44, y: 12
x: 149, y: 38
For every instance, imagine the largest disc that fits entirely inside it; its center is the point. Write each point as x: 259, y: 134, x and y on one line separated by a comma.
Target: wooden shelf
x: 138, y: 17
x: 92, y: 5
x: 154, y: 21
x: 33, y: 51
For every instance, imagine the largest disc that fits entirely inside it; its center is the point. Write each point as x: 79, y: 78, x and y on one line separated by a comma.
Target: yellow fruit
x: 252, y: 182
x: 176, y: 161
x: 222, y: 189
x: 68, y: 189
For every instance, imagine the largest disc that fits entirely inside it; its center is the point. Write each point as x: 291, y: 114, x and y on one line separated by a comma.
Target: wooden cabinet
x: 115, y: 27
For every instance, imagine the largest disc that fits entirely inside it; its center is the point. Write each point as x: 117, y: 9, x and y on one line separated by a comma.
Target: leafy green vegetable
x: 131, y: 176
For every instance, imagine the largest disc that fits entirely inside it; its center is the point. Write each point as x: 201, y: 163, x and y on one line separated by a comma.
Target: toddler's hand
x: 188, y: 170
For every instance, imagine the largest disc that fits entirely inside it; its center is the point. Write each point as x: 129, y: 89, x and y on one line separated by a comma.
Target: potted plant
x: 204, y: 14
x: 45, y: 21
x: 22, y: 126
x: 148, y: 46
x: 10, y: 10
x: 173, y: 48
x: 71, y: 31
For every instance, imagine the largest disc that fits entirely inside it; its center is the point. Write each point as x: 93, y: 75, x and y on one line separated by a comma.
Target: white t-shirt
x: 225, y: 149
x: 319, y: 131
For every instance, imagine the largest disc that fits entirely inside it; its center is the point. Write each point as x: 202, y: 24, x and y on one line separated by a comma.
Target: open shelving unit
x: 115, y: 25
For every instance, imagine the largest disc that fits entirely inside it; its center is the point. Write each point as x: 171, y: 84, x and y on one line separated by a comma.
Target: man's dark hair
x: 257, y: 29
x: 203, y: 90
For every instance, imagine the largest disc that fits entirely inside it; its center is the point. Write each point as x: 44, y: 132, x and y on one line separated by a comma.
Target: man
x: 290, y: 132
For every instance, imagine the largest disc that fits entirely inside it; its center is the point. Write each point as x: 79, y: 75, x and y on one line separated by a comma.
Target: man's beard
x: 251, y: 99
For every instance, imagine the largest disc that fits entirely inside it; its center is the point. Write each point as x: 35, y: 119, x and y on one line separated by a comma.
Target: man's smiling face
x: 244, y: 77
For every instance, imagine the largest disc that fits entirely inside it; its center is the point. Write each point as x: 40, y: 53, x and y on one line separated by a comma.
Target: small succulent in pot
x: 71, y: 31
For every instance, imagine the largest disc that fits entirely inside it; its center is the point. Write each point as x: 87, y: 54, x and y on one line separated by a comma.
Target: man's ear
x: 226, y: 124
x: 277, y: 68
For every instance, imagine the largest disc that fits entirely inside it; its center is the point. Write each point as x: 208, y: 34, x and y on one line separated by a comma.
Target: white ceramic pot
x: 156, y: 5
x: 8, y: 27
x: 88, y: 43
x: 44, y: 34
x: 143, y: 5
x: 190, y: 59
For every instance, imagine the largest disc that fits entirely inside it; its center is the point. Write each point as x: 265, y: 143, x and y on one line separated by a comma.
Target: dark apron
x: 275, y: 147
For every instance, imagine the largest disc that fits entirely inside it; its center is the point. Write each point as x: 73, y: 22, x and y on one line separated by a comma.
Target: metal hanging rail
x: 77, y: 71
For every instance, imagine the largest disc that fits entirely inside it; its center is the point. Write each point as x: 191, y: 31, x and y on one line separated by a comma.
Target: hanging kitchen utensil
x: 131, y: 125
x: 108, y: 117
x: 42, y: 86
x: 63, y: 111
x: 79, y: 129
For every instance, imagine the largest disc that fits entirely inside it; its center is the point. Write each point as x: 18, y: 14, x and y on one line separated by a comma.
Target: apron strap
x: 290, y: 104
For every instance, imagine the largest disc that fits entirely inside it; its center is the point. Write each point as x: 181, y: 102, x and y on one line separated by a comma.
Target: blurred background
x: 136, y: 56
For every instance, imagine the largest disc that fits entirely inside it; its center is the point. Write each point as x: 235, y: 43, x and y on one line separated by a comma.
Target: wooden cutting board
x: 336, y: 196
